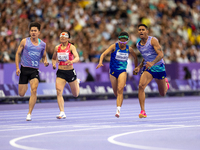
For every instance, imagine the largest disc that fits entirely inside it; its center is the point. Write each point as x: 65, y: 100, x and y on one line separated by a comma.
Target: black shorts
x: 28, y: 74
x: 68, y: 75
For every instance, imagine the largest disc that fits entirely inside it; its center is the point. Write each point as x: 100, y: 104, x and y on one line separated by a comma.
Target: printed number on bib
x: 34, y: 63
x: 121, y: 56
x: 63, y: 56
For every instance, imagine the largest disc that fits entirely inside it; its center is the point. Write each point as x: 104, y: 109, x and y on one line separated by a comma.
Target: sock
x: 118, y: 108
x: 62, y: 112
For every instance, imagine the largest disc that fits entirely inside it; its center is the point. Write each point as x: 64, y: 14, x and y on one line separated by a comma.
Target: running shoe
x: 142, y: 114
x: 79, y: 81
x: 117, y: 114
x: 28, y: 118
x: 61, y: 115
x: 168, y: 85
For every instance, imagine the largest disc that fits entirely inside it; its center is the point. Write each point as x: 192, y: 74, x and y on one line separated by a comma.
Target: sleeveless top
x: 148, y: 52
x: 119, y: 58
x: 64, y: 55
x: 32, y: 54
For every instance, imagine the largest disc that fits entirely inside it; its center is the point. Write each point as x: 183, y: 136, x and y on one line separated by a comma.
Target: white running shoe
x: 28, y: 118
x: 61, y: 115
x: 79, y: 80
x: 117, y: 114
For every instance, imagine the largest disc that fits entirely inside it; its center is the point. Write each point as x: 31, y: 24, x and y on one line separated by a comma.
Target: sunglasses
x: 64, y: 35
x: 123, y: 42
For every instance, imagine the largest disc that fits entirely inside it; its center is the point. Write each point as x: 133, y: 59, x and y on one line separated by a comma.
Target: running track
x: 171, y: 124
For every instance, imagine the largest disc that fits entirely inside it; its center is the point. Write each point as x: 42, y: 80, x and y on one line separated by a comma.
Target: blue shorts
x: 116, y: 73
x: 157, y: 71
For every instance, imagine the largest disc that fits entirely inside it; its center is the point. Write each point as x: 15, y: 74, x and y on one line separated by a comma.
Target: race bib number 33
x: 121, y: 56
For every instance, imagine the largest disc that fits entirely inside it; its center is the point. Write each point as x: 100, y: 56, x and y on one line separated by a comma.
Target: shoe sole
x: 60, y: 117
x: 142, y: 116
x: 117, y: 115
x: 28, y: 120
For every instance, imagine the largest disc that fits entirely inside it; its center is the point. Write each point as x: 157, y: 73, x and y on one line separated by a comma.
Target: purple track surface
x: 171, y: 124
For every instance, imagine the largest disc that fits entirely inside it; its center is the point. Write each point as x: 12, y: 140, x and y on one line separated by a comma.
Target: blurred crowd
x: 95, y: 24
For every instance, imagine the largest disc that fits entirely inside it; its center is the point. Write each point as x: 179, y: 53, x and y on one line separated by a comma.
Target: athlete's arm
x: 134, y: 55
x: 54, y: 57
x: 110, y: 49
x: 141, y: 64
x: 137, y: 69
x: 18, y: 53
x: 44, y: 58
x: 157, y: 47
x: 76, y: 56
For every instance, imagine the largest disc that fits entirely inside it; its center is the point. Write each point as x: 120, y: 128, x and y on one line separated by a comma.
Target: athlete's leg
x: 74, y: 88
x: 162, y: 86
x: 120, y: 88
x: 22, y: 88
x: 60, y: 84
x: 34, y: 85
x: 145, y: 78
x: 113, y: 81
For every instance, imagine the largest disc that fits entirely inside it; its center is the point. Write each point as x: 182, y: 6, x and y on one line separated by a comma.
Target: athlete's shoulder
x: 154, y: 40
x: 114, y: 44
x: 23, y: 41
x: 130, y: 48
x: 72, y: 46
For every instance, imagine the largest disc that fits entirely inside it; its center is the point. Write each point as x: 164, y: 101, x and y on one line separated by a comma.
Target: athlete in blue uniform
x: 118, y: 63
x: 153, y: 66
x: 31, y: 50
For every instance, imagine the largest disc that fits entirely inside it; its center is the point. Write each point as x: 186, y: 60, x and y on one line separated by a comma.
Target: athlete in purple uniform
x: 31, y: 49
x: 153, y: 66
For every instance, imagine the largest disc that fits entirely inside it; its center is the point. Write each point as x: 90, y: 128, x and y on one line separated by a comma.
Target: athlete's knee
x: 120, y: 90
x: 59, y: 91
x: 141, y: 86
x: 34, y: 91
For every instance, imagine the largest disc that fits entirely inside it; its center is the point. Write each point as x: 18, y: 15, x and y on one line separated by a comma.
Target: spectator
x: 98, y: 20
x: 191, y: 55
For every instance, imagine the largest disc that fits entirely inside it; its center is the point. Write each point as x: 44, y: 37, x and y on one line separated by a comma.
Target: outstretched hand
x: 99, y: 65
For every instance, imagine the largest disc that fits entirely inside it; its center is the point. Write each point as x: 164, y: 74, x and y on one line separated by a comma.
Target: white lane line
x: 89, y: 110
x: 13, y: 141
x: 91, y: 118
x: 111, y: 139
x: 84, y: 125
x: 109, y: 114
x: 22, y: 127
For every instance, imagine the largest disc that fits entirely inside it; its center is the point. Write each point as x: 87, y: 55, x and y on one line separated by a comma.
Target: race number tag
x: 121, y: 56
x: 63, y: 56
